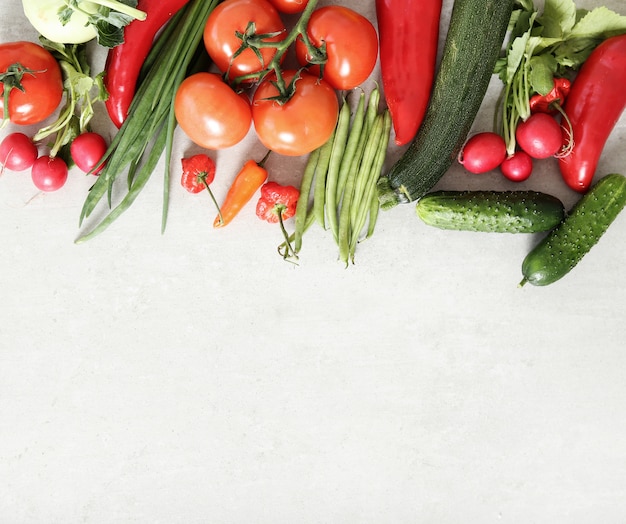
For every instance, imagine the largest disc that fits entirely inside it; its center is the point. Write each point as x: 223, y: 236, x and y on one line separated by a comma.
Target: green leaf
x: 109, y: 35
x: 65, y: 13
x: 558, y: 18
x: 599, y: 23
x: 542, y: 70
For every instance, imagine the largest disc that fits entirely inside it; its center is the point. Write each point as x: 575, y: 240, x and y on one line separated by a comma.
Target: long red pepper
x: 594, y: 105
x: 124, y: 61
x: 409, y: 35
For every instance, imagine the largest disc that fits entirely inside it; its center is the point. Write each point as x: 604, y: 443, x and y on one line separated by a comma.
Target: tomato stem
x: 281, y: 47
x: 12, y: 79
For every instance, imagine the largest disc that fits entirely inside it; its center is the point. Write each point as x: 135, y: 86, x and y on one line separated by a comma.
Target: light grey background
x: 195, y: 377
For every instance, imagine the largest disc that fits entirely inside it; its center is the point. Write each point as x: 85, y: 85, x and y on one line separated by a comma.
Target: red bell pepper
x: 124, y: 61
x: 593, y: 107
x: 409, y: 36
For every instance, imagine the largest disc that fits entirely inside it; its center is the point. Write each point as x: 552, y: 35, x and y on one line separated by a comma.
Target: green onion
x: 148, y: 130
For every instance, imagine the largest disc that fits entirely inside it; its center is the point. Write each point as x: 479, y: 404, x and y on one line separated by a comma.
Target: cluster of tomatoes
x: 32, y: 86
x: 293, y: 109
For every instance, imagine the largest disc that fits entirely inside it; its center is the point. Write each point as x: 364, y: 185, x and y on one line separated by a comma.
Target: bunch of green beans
x: 338, y: 188
x: 149, y: 128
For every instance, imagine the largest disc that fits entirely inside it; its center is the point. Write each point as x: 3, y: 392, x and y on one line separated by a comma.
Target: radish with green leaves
x: 540, y: 135
x: 517, y: 167
x: 483, y: 152
x: 49, y: 173
x: 17, y: 152
x: 87, y: 151
x: 545, y: 45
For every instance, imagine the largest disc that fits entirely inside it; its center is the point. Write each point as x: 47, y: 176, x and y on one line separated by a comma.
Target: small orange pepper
x: 247, y: 182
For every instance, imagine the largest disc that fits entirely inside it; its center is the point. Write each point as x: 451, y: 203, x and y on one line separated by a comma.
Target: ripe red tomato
x: 351, y: 45
x: 236, y: 16
x: 290, y: 6
x: 38, y: 73
x: 210, y: 113
x: 300, y: 125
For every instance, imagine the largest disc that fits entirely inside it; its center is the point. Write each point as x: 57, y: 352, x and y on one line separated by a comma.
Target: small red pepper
x: 593, y: 107
x: 276, y: 204
x: 409, y: 37
x: 198, y: 173
x: 125, y: 60
x: 547, y: 103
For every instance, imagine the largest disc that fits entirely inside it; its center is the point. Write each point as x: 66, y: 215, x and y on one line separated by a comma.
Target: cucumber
x: 558, y: 253
x: 491, y: 211
x: 473, y: 43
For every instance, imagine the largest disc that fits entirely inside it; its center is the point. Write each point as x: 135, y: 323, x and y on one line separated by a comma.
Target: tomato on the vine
x: 290, y: 6
x: 351, y: 45
x: 210, y: 113
x: 32, y: 78
x: 302, y: 123
x: 231, y: 24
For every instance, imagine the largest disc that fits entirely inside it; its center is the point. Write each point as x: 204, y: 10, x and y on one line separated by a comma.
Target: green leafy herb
x: 543, y: 45
x: 82, y: 91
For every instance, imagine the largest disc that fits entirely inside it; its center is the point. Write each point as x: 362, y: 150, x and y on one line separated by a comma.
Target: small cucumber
x: 558, y: 253
x: 491, y: 211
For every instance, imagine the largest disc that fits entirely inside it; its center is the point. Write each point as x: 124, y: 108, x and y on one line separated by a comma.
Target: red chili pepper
x: 198, y: 173
x: 593, y: 107
x: 276, y: 204
x: 409, y: 37
x: 547, y: 103
x: 124, y: 61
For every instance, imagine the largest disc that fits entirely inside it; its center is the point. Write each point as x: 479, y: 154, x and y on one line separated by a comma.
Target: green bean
x: 302, y: 206
x: 319, y: 191
x: 337, y: 154
x: 372, y: 108
x: 370, y: 116
x: 344, y: 232
x: 351, y: 146
x: 369, y: 190
x: 363, y: 173
x: 373, y: 215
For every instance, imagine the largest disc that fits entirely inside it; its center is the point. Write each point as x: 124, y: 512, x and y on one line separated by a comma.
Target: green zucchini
x: 558, y: 253
x: 473, y: 43
x: 491, y: 211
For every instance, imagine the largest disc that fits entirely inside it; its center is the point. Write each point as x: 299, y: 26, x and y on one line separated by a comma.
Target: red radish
x: 517, y: 167
x: 483, y: 152
x: 49, y: 173
x: 87, y: 150
x: 17, y: 152
x: 540, y: 135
